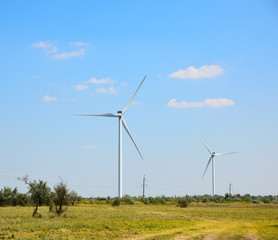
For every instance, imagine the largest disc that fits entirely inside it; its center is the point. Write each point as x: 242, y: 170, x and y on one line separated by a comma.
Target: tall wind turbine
x: 122, y: 122
x: 211, y: 159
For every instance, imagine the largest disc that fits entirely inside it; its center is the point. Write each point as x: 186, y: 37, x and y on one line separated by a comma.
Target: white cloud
x: 66, y: 55
x: 183, y: 104
x: 50, y: 49
x: 46, y: 46
x: 110, y: 90
x: 124, y: 84
x: 80, y: 44
x: 215, y: 103
x: 219, y: 102
x: 202, y: 72
x: 90, y: 147
x: 101, y: 90
x: 101, y: 81
x: 80, y: 87
x: 49, y: 99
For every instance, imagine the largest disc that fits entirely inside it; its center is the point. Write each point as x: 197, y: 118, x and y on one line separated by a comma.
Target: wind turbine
x: 122, y: 122
x: 211, y: 159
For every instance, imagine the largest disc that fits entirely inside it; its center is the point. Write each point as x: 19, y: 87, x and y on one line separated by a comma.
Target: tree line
x: 60, y: 197
x: 40, y: 194
x: 206, y: 198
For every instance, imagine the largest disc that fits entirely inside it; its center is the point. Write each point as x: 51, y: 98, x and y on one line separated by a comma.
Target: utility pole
x: 230, y: 189
x: 144, y: 185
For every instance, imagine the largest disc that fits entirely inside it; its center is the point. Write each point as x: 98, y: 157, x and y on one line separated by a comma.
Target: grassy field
x: 198, y: 221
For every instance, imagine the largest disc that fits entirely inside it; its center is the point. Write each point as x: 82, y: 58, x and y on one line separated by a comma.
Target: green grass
x: 198, y: 221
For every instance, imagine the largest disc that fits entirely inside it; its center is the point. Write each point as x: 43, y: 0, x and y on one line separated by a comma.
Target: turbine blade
x: 130, y: 101
x: 219, y: 154
x: 206, y: 145
x: 207, y: 166
x: 98, y: 115
x: 128, y: 132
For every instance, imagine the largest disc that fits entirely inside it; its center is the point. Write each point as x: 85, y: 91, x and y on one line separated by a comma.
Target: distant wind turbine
x: 122, y: 122
x: 211, y: 159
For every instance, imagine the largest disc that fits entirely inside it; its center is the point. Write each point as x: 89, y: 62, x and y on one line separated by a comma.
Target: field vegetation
x: 101, y: 220
x: 62, y: 214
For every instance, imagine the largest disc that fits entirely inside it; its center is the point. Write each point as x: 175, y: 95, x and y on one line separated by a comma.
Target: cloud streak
x: 110, y: 90
x: 214, y: 103
x: 82, y: 44
x: 46, y: 98
x: 205, y: 71
x: 45, y: 44
x: 80, y: 87
x: 49, y: 49
x: 65, y: 55
x: 100, y: 81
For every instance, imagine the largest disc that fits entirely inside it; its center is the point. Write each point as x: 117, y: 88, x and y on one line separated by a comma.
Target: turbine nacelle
x: 119, y: 113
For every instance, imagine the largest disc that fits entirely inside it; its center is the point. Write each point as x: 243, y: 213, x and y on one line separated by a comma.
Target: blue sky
x: 212, y: 72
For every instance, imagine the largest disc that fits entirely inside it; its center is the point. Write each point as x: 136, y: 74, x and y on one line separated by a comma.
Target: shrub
x: 8, y: 197
x: 183, y: 203
x: 108, y: 200
x: 22, y: 199
x: 61, y: 198
x: 145, y: 201
x: 127, y: 199
x: 73, y: 197
x: 116, y: 202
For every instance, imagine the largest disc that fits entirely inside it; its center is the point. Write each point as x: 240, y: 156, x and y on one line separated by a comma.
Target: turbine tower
x: 122, y: 122
x: 211, y: 159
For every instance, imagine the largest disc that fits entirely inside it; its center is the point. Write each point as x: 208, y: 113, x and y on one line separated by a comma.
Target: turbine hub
x: 119, y: 113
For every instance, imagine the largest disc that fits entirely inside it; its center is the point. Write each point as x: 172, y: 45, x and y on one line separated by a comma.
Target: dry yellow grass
x: 198, y: 221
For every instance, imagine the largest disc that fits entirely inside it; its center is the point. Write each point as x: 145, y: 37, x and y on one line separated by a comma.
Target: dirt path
x: 203, y: 233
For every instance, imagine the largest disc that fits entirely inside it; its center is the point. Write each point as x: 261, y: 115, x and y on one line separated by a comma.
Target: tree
x: 39, y: 192
x: 73, y: 197
x: 61, y: 198
x: 8, y: 196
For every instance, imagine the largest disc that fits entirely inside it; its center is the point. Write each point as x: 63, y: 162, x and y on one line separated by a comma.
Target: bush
x: 61, y: 198
x: 8, y: 197
x: 73, y: 197
x: 183, y: 203
x: 255, y: 201
x: 22, y: 199
x: 127, y: 199
x: 116, y: 202
x: 145, y: 201
x: 108, y: 200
